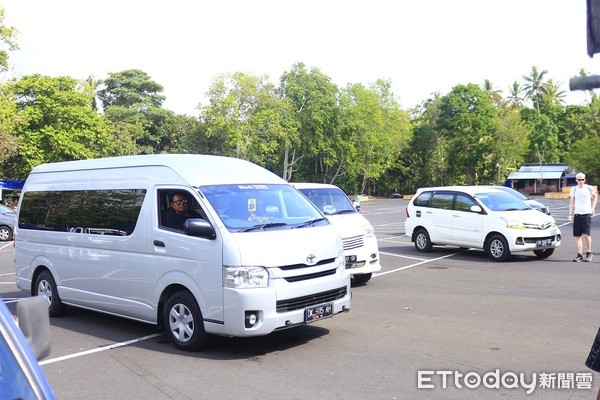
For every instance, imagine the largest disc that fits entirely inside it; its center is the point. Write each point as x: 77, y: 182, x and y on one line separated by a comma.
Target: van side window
x: 423, y: 199
x: 100, y: 212
x: 442, y: 200
x: 177, y: 206
x: 464, y: 203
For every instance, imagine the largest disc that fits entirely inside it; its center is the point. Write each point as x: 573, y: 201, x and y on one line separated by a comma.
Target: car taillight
x: 407, y: 215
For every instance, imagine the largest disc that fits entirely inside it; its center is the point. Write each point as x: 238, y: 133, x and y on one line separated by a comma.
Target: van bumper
x: 364, y: 259
x: 281, y: 306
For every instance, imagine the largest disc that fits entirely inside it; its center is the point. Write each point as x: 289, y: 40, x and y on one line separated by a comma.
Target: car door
x: 467, y: 225
x: 190, y: 261
x: 439, y: 217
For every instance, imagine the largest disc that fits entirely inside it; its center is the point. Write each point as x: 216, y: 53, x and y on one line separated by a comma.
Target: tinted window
x: 329, y: 200
x: 442, y: 200
x: 422, y: 199
x: 464, y: 203
x: 100, y: 212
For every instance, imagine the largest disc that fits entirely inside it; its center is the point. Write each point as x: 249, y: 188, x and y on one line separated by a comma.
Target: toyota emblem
x: 311, y: 258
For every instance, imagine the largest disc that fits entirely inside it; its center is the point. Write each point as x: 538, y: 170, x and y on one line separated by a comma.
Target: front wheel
x: 5, y: 233
x: 541, y: 254
x: 46, y: 287
x: 362, y: 278
x: 183, y: 322
x: 497, y: 248
x: 422, y: 241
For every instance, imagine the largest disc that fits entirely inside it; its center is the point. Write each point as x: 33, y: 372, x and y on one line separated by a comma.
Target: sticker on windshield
x: 252, y: 205
x: 253, y: 187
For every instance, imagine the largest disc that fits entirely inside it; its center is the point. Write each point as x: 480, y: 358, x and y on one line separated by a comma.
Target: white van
x: 360, y: 244
x: 255, y: 256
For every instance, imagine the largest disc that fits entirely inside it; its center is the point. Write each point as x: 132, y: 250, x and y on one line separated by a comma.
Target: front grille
x: 297, y: 266
x: 300, y: 303
x: 310, y: 276
x: 353, y: 242
x: 540, y: 227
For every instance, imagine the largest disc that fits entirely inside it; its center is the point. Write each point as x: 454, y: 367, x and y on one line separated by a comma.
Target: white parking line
x: 109, y: 347
x: 416, y: 264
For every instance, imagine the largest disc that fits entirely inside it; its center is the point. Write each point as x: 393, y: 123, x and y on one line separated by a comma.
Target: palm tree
x: 91, y: 86
x: 515, y: 95
x: 495, y: 94
x: 533, y: 86
x: 552, y: 94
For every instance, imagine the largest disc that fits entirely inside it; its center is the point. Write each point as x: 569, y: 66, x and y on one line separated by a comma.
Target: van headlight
x: 513, y: 224
x: 245, y: 277
x: 368, y: 230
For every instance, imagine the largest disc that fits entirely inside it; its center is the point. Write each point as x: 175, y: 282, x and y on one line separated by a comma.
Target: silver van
x: 195, y: 244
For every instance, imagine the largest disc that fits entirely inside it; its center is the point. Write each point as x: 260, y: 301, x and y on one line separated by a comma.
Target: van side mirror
x: 198, y: 227
x: 476, y: 209
x: 34, y: 322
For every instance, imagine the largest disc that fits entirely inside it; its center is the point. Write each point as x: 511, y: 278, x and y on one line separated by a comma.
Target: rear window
x: 423, y: 199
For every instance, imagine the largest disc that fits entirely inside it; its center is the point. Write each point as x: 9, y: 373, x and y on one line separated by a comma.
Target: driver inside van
x: 180, y: 211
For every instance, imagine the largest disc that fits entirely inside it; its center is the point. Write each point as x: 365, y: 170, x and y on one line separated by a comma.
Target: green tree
x: 511, y: 144
x: 8, y: 120
x: 516, y: 97
x: 55, y: 122
x: 534, y: 85
x: 373, y: 129
x: 244, y: 117
x: 543, y: 137
x: 130, y: 89
x: 469, y: 122
x: 312, y: 99
x: 132, y: 102
x: 8, y: 40
x: 424, y: 163
x: 495, y: 94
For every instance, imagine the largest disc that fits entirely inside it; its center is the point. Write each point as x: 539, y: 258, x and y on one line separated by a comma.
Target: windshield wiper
x: 344, y: 212
x: 262, y: 227
x: 311, y: 222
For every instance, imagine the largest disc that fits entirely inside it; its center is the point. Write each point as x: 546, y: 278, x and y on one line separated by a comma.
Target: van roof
x: 474, y: 189
x: 191, y: 167
x: 307, y: 185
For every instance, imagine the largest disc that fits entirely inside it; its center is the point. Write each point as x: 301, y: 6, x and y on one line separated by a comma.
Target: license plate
x: 316, y: 313
x: 350, y: 259
x: 543, y: 242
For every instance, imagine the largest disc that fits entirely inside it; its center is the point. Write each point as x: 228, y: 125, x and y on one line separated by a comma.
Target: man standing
x: 581, y: 208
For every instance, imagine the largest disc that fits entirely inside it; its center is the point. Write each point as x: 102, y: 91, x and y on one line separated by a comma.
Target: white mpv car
x: 479, y: 217
x: 360, y: 244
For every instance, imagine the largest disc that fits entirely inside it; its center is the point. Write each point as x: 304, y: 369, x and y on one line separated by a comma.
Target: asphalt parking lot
x: 426, y: 327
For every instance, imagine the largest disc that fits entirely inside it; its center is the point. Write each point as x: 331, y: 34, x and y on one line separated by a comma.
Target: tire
x: 183, y: 322
x: 541, y: 254
x: 5, y: 233
x: 422, y: 241
x: 46, y: 286
x: 497, y: 248
x: 362, y: 278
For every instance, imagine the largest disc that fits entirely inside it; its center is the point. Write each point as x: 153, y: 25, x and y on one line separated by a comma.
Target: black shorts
x: 582, y: 224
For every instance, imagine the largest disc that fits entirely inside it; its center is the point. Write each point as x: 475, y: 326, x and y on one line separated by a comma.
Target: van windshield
x: 330, y: 201
x: 264, y: 207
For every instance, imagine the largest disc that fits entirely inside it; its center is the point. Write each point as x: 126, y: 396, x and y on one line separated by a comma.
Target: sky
x: 420, y: 46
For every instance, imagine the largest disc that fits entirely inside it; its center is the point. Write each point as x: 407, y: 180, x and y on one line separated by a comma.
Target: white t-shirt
x: 583, y: 199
